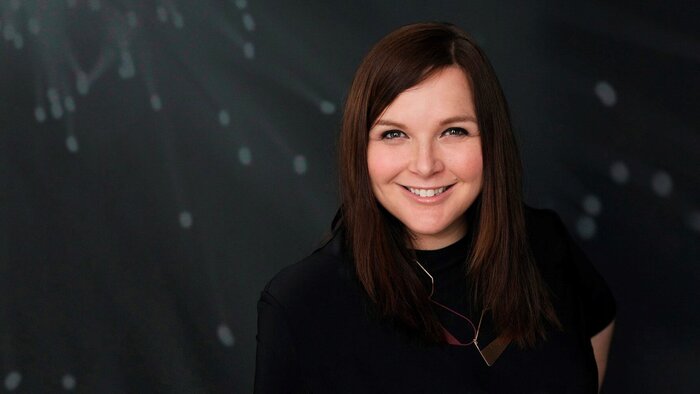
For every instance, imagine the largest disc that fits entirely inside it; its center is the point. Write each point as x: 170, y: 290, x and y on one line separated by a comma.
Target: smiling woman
x: 436, y: 269
x: 426, y: 170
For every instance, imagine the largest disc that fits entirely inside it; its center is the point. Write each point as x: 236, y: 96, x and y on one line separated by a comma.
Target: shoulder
x: 318, y: 276
x: 569, y: 273
x: 551, y: 247
x: 546, y: 232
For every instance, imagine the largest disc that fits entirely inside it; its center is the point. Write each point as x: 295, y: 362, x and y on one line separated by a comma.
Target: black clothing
x: 315, y: 335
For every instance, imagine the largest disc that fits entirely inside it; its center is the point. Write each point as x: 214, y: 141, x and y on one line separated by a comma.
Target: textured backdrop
x: 160, y: 160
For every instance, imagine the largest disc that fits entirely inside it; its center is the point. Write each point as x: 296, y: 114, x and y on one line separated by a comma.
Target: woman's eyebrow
x: 452, y: 119
x: 459, y: 118
x: 387, y: 122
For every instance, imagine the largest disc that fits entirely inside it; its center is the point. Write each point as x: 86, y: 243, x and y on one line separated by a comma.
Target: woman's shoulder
x: 323, y: 273
x: 545, y: 228
x: 549, y: 241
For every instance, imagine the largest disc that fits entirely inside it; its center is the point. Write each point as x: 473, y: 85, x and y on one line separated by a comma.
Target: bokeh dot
x: 248, y: 22
x: 33, y: 25
x: 178, y: 21
x: 185, y: 219
x: 52, y: 94
x: 619, y: 172
x: 224, y: 118
x: 592, y: 205
x: 56, y: 110
x: 72, y: 144
x: 225, y: 335
x: 68, y: 382
x: 40, y: 114
x: 14, y: 4
x: 126, y: 68
x: 156, y: 102
x: 13, y: 380
x: 18, y: 41
x: 586, y: 227
x: 245, y: 156
x: 241, y: 4
x: 327, y: 107
x: 131, y: 19
x: 69, y: 103
x: 694, y: 220
x: 95, y: 5
x: 661, y: 183
x: 82, y: 83
x: 300, y: 165
x: 162, y: 14
x: 126, y: 71
x: 606, y: 93
x: 249, y: 50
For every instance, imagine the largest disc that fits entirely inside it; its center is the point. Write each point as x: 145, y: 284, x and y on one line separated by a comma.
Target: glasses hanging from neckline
x: 491, y: 352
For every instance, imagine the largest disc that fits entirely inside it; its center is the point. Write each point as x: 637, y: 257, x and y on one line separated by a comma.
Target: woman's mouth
x: 431, y: 192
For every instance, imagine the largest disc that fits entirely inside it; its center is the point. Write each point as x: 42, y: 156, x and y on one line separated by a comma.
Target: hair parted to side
x: 500, y: 267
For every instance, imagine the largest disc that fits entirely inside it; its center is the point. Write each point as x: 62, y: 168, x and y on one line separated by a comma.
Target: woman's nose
x: 426, y: 160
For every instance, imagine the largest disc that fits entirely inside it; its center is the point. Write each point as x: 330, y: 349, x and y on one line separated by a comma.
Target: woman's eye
x: 455, y: 131
x: 392, y: 134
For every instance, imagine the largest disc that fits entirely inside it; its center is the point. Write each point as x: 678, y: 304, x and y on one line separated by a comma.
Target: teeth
x: 426, y: 192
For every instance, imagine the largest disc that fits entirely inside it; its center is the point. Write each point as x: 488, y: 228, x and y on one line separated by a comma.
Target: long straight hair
x: 500, y: 266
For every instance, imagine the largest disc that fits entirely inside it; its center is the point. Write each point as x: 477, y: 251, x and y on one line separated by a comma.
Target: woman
x: 437, y: 278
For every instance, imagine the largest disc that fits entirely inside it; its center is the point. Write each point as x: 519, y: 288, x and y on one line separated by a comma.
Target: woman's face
x: 424, y: 158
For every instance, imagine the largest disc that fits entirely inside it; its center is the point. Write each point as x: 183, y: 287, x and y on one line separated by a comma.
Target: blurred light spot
x: 126, y: 72
x: 14, y: 4
x: 52, y: 94
x: 606, y: 93
x: 224, y: 118
x: 69, y: 103
x: 241, y: 4
x: 300, y: 166
x: 586, y: 227
x: 56, y: 110
x: 71, y: 3
x: 8, y: 32
x: 156, y: 102
x: 82, y: 83
x: 248, y: 22
x: 68, y: 382
x: 248, y: 50
x: 33, y: 25
x: 661, y: 183
x: 619, y: 172
x: 12, y: 380
x: 162, y: 14
x: 40, y: 114
x: 185, y: 219
x: 225, y: 335
x: 245, y: 156
x: 18, y: 41
x: 72, y: 144
x: 131, y: 19
x: 592, y: 205
x: 95, y: 5
x: 694, y: 220
x: 327, y: 107
x: 126, y: 68
x: 178, y: 21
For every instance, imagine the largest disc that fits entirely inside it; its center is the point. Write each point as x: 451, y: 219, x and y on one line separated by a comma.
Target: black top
x: 315, y: 333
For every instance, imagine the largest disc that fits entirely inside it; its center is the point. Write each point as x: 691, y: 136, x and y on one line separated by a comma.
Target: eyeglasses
x: 491, y: 352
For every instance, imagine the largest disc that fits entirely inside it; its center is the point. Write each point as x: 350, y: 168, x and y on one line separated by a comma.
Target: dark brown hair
x: 500, y: 267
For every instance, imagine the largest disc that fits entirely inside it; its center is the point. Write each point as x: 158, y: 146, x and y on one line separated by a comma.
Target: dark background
x: 161, y: 160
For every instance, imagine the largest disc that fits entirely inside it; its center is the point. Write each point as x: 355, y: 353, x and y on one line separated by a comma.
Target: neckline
x: 442, y: 259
